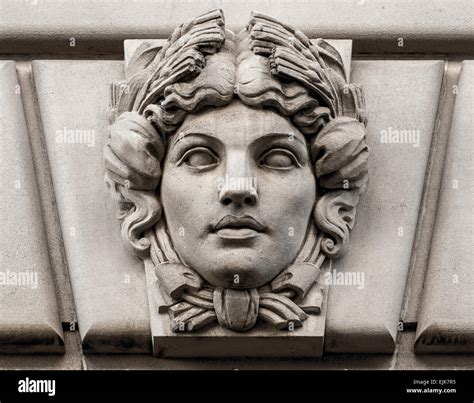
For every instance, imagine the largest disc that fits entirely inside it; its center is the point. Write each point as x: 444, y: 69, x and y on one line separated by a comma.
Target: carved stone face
x: 227, y: 194
x: 238, y: 191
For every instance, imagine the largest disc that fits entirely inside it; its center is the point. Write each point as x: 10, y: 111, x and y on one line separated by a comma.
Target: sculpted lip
x: 238, y: 227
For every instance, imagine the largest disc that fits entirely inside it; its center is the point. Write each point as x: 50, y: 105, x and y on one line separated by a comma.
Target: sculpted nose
x: 239, y: 185
x: 247, y: 196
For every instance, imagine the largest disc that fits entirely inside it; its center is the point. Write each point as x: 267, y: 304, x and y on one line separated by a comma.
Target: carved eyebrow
x: 290, y: 137
x: 183, y: 135
x: 281, y: 136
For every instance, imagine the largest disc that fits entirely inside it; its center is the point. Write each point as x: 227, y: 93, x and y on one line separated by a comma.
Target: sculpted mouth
x: 238, y: 227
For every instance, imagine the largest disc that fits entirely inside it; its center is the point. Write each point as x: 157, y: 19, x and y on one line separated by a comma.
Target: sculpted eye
x: 279, y: 158
x: 199, y: 158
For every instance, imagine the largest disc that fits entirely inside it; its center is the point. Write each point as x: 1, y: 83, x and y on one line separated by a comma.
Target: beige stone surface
x: 104, y: 25
x: 446, y: 318
x: 400, y: 95
x: 29, y: 321
x: 108, y: 283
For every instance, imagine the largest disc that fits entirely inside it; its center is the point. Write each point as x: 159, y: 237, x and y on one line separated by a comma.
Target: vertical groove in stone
x: 431, y: 189
x: 54, y: 240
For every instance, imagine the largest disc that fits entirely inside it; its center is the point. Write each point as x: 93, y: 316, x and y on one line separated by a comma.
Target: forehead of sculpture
x: 238, y: 122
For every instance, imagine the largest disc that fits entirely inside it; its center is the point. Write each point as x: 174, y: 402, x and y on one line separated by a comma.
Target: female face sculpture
x: 237, y: 162
x: 238, y: 182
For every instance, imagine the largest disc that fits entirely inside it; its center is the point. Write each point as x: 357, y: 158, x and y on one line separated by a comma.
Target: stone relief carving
x: 237, y: 161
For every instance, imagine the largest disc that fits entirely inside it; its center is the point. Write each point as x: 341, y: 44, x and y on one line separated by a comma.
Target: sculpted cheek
x: 295, y: 192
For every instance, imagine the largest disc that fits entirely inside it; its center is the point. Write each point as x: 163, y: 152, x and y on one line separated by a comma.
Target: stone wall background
x: 414, y: 230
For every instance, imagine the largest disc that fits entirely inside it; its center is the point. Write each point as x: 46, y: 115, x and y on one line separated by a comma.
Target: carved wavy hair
x: 268, y: 65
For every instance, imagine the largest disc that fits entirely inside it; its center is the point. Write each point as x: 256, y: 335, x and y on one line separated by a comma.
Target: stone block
x: 446, y: 317
x: 401, y: 101
x: 29, y: 320
x: 108, y: 283
x: 50, y: 25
